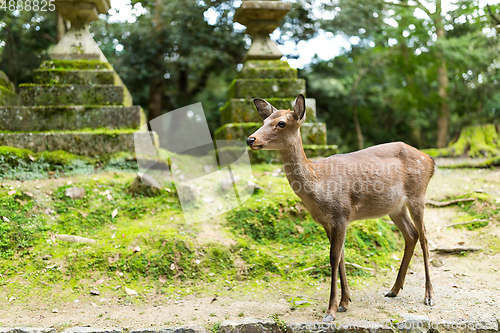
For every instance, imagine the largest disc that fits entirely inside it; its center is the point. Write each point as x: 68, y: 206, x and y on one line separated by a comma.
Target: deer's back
x: 372, y: 182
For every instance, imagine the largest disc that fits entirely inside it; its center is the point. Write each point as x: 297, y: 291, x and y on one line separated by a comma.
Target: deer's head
x: 281, y: 127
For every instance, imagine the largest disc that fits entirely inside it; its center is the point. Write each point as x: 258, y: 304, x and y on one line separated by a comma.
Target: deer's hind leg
x: 416, y: 209
x: 402, y: 220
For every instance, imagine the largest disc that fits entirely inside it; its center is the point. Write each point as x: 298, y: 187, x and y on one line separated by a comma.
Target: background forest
x: 415, y: 71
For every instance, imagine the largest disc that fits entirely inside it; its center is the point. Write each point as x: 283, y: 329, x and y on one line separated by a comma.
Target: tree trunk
x: 157, y: 85
x: 155, y: 99
x: 444, y: 112
x: 359, y: 134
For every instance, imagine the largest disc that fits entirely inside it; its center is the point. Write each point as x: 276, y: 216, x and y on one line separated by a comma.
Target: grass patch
x: 272, y: 238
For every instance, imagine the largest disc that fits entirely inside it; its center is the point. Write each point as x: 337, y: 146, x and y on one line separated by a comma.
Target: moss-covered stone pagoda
x: 77, y: 102
x: 264, y: 75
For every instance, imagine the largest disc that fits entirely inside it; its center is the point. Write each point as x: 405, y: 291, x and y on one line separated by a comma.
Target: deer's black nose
x: 250, y: 141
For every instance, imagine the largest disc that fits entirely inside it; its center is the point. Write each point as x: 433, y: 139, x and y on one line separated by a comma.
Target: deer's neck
x: 296, y: 165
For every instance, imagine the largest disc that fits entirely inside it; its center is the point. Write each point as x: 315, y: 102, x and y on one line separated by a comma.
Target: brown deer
x: 388, y: 179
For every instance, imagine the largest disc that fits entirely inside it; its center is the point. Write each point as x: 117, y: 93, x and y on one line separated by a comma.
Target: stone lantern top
x: 77, y: 43
x: 82, y: 11
x: 261, y: 18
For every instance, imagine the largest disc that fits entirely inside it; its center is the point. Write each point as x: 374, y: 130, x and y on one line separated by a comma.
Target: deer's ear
x: 299, y: 108
x: 264, y: 108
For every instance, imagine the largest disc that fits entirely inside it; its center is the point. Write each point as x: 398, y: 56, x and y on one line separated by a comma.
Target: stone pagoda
x: 77, y: 102
x: 264, y: 75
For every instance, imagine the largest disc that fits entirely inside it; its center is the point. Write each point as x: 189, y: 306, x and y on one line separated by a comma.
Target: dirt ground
x: 466, y: 287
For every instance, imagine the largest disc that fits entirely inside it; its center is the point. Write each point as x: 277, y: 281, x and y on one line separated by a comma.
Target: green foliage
x: 398, y: 98
x: 474, y: 141
x: 215, y: 327
x: 173, y: 57
x: 27, y: 36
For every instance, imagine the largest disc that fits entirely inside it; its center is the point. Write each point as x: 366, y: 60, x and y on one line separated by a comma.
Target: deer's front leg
x: 345, y: 298
x: 337, y: 236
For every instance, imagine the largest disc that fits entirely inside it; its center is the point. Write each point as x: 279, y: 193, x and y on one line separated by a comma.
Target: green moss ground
x: 23, y: 164
x: 271, y: 238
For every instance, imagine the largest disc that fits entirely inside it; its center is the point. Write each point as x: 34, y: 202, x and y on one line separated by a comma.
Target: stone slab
x: 79, y: 64
x: 267, y: 73
x: 82, y: 76
x: 362, y: 326
x: 8, y: 94
x: 73, y: 94
x: 311, y: 133
x: 310, y: 327
x: 265, y: 88
x: 240, y: 110
x: 184, y: 329
x: 27, y: 330
x: 69, y: 118
x: 413, y: 323
x: 249, y: 325
x: 79, y: 329
x: 8, y: 97
x: 79, y: 143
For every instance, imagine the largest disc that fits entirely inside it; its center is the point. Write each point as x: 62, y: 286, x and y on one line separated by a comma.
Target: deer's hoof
x: 328, y: 318
x: 429, y: 301
x: 390, y: 293
x: 341, y: 308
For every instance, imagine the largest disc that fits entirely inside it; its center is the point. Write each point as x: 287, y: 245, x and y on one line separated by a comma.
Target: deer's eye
x: 281, y: 124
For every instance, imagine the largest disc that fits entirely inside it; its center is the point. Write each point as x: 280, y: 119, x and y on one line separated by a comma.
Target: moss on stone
x: 474, y: 141
x: 266, y: 88
x: 266, y: 64
x: 8, y: 97
x: 72, y: 94
x: 12, y: 155
x: 61, y: 157
x: 268, y: 73
x: 237, y: 131
x: 75, y: 64
x: 64, y: 118
x: 5, y: 82
x: 313, y: 133
x: 64, y: 76
x: 241, y: 110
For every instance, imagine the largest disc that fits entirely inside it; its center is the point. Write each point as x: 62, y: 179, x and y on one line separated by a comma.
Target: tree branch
x: 422, y: 7
x: 497, y: 21
x: 400, y: 4
x: 419, y: 5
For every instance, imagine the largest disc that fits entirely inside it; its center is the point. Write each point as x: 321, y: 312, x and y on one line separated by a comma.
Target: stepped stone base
x: 240, y: 110
x: 84, y: 76
x: 69, y: 118
x: 312, y: 133
x: 267, y: 69
x: 88, y: 143
x: 74, y: 94
x: 8, y: 94
x: 250, y: 88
